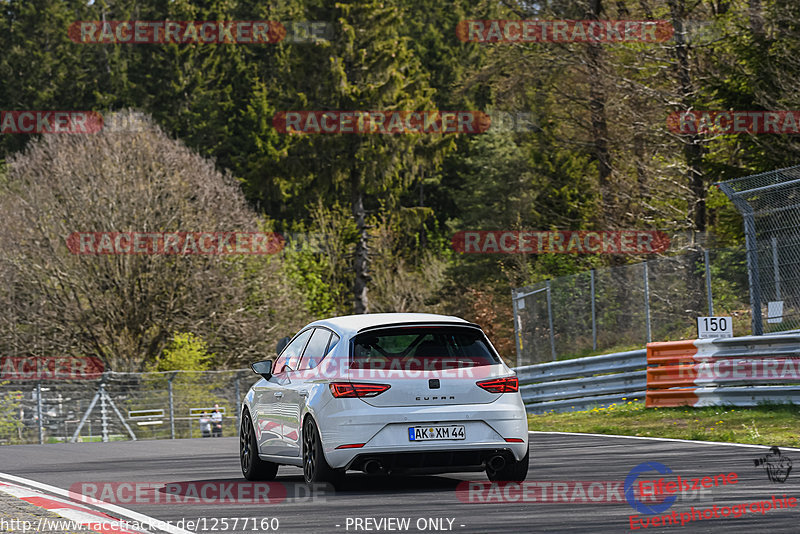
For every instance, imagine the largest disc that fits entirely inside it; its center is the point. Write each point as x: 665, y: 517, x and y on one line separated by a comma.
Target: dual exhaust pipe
x: 373, y: 466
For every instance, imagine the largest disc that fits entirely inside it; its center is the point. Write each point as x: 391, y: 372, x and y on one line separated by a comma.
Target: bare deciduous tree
x: 125, y: 307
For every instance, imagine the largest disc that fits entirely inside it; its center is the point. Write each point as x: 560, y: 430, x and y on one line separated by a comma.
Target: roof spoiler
x: 427, y: 323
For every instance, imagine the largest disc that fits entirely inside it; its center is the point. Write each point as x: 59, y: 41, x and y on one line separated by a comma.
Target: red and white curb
x: 89, y: 518
x: 79, y: 514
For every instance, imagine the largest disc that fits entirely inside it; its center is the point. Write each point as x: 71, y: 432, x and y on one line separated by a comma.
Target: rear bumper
x: 384, y: 433
x: 431, y: 461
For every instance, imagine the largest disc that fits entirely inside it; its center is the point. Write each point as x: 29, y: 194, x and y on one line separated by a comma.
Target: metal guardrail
x: 584, y: 383
x: 734, y: 396
x: 735, y: 371
x: 749, y: 396
x: 599, y: 381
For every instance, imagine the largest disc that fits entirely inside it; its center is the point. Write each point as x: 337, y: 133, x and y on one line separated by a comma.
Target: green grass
x: 767, y: 424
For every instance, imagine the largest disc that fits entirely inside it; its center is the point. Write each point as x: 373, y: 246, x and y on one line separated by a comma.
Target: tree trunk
x: 597, y: 111
x: 361, y: 259
x: 423, y: 235
x: 756, y: 19
x: 692, y: 148
x: 597, y: 107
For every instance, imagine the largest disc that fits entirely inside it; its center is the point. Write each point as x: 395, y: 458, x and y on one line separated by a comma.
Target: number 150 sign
x: 714, y: 327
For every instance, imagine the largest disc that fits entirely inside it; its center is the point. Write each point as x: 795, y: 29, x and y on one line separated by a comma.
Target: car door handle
x: 278, y: 394
x: 303, y: 393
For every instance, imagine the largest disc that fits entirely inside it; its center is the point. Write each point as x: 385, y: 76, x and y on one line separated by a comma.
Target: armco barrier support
x: 583, y: 383
x: 740, y: 371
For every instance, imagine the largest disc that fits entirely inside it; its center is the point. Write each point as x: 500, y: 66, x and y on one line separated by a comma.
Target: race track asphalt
x: 430, y: 503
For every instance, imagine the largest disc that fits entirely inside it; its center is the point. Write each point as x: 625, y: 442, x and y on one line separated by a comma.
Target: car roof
x: 351, y: 324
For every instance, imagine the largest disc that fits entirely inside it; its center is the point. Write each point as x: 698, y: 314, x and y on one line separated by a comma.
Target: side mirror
x: 282, y: 344
x: 263, y: 368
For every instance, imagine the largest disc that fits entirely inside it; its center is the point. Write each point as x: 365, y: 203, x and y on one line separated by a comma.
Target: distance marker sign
x: 714, y: 327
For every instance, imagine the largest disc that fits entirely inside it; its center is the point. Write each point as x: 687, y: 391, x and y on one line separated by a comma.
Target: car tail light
x: 509, y: 384
x: 515, y: 440
x: 351, y: 446
x: 347, y: 390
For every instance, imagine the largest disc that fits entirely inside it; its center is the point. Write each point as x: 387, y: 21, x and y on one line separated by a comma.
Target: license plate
x: 436, y: 432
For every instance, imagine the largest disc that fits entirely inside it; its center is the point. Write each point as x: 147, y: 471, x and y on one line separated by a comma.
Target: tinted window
x: 422, y: 348
x: 291, y: 354
x: 315, y: 350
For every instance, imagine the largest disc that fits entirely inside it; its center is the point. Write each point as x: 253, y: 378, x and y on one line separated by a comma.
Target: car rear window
x: 422, y: 348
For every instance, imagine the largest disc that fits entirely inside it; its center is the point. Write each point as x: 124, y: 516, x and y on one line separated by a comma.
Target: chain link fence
x: 619, y: 308
x: 624, y: 307
x: 120, y: 406
x: 770, y: 206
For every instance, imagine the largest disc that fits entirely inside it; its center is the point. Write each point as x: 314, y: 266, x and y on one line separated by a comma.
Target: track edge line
x: 793, y: 449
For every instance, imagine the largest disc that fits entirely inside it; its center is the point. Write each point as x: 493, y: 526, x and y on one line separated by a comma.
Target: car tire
x: 315, y: 466
x: 514, y: 471
x: 253, y: 467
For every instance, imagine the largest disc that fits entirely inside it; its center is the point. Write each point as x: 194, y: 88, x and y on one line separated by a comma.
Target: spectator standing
x: 216, y: 422
x: 205, y: 425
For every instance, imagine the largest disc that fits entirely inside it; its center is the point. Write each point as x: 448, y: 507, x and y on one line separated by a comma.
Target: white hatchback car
x: 385, y: 393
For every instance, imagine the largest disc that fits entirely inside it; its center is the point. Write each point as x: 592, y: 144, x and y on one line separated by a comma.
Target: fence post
x: 103, y: 412
x: 594, y: 313
x: 39, y: 411
x: 171, y: 407
x: 516, y: 327
x: 238, y: 401
x: 550, y: 321
x: 752, y: 273
x: 647, y: 302
x: 709, y: 296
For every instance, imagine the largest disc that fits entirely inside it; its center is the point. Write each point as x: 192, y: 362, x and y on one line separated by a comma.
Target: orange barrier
x: 671, y: 376
x: 670, y: 398
x: 674, y: 368
x: 667, y: 352
x: 710, y: 372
